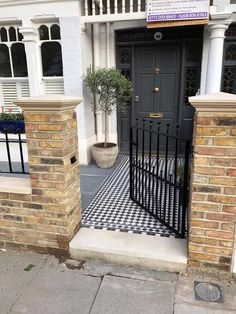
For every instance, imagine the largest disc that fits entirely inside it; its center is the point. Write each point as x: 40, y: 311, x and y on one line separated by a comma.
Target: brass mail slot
x: 155, y: 115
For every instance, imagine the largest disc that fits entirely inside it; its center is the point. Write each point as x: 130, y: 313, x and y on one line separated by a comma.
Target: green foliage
x: 180, y: 172
x: 112, y: 89
x: 11, y: 116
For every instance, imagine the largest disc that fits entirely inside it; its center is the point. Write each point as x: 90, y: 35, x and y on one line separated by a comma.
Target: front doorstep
x: 160, y: 253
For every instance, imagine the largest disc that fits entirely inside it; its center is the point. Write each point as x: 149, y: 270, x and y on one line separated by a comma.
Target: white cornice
x: 7, y: 3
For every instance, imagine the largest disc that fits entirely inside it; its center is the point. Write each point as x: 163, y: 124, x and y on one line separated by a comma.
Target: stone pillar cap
x: 47, y: 103
x: 215, y: 102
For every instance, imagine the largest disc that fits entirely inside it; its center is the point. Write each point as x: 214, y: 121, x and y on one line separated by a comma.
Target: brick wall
x: 48, y: 218
x: 213, y: 197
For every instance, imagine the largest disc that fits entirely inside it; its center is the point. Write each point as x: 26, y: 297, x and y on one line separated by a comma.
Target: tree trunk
x: 105, y: 142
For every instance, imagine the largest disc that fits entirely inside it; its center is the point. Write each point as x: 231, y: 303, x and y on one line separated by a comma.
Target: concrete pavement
x: 40, y: 284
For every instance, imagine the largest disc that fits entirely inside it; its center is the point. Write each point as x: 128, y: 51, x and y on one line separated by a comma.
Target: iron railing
x: 12, y: 146
x: 159, y: 173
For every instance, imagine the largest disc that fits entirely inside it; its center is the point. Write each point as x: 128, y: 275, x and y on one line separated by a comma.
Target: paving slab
x: 99, y: 268
x: 127, y: 296
x: 17, y: 270
x: 90, y: 184
x: 195, y: 309
x: 56, y: 290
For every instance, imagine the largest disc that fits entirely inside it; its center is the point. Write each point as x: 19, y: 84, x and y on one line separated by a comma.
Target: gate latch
x: 155, y: 115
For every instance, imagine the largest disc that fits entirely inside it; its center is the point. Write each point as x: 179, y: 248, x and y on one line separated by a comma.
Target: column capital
x: 214, y: 102
x: 29, y: 33
x: 218, y: 30
x: 48, y: 103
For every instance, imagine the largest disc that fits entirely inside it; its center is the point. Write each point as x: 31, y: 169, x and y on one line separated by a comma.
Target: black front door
x: 164, y: 74
x: 157, y: 83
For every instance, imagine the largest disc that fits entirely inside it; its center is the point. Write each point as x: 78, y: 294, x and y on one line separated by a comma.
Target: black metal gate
x: 159, y: 173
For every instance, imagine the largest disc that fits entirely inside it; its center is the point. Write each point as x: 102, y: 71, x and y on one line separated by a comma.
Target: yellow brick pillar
x: 213, y: 189
x: 47, y: 218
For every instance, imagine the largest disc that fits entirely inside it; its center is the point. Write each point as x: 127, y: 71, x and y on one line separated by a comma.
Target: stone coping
x: 215, y: 102
x: 48, y: 103
x: 15, y: 185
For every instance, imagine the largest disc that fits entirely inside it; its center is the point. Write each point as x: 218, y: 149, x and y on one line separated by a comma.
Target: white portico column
x: 215, y: 56
x: 96, y: 45
x: 30, y: 38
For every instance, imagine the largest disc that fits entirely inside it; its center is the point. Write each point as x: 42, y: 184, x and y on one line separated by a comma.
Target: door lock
x: 156, y: 89
x: 136, y: 98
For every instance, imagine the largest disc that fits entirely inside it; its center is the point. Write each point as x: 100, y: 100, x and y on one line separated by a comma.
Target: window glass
x: 5, y: 68
x: 20, y: 36
x: 3, y: 34
x: 55, y: 32
x: 43, y: 32
x: 19, y: 60
x: 12, y: 34
x: 51, y: 59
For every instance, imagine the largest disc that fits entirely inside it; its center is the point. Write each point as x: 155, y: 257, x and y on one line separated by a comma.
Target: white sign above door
x: 174, y: 10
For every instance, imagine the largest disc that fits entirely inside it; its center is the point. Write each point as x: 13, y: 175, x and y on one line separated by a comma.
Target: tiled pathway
x: 110, y: 208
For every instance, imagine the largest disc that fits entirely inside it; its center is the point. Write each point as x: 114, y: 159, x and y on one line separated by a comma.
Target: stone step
x: 155, y: 252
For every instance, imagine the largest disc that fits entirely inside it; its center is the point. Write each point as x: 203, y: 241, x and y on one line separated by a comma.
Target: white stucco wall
x: 72, y: 47
x: 50, y: 9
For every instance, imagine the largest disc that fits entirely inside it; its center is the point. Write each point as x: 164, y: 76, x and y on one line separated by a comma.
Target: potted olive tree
x: 112, y: 90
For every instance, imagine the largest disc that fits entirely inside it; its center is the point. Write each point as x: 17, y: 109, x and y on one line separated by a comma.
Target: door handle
x: 155, y: 115
x: 136, y: 98
x: 156, y: 89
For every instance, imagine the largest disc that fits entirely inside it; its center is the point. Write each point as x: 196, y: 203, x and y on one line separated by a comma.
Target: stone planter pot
x: 12, y: 126
x: 104, y: 157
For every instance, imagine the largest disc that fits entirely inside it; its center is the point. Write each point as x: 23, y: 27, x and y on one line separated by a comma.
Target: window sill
x: 15, y: 185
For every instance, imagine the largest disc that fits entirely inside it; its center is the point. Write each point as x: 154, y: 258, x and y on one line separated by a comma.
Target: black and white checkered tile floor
x: 112, y: 209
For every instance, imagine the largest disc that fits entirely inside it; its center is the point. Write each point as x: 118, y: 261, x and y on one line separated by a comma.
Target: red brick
x: 220, y: 217
x: 209, y: 171
x: 204, y: 224
x: 211, y: 131
x: 210, y: 151
x: 231, y: 172
x: 204, y: 121
x: 219, y: 234
x: 222, y: 199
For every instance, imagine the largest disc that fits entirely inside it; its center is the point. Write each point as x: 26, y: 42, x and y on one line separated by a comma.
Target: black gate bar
x: 159, y: 173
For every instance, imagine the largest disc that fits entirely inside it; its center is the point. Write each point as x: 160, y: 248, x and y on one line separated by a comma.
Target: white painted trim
x: 113, y: 17
x: 6, y: 3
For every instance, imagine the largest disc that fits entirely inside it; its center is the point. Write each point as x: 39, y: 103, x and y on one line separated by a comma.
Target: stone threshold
x: 159, y: 253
